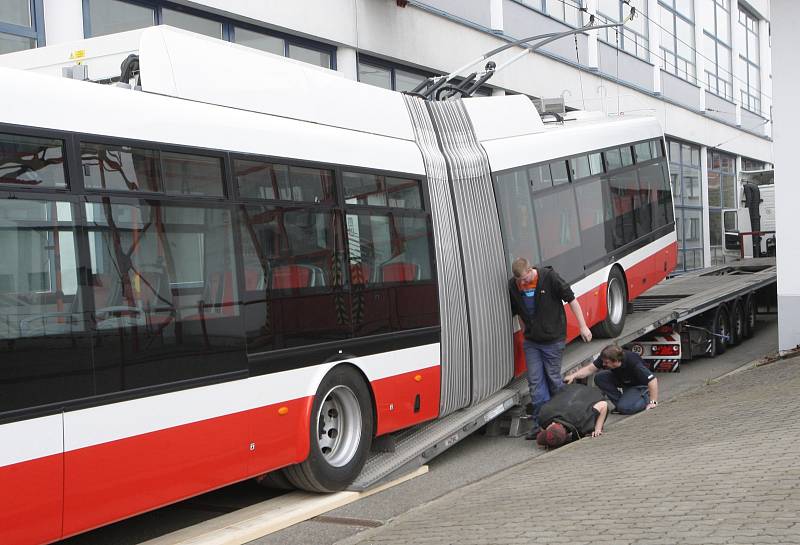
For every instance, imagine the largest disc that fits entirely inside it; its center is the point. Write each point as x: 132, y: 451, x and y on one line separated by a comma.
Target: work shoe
x: 531, y: 435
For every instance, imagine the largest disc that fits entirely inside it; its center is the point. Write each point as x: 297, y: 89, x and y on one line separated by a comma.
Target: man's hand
x: 569, y: 378
x: 597, y: 433
x: 586, y: 334
x: 651, y: 405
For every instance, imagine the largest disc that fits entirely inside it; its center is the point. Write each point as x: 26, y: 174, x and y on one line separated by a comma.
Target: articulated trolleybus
x: 206, y: 280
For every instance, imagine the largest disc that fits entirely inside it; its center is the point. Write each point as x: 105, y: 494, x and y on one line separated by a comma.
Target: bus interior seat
x: 297, y: 276
x: 400, y: 271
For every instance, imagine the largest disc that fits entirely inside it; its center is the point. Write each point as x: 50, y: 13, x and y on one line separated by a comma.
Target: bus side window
x: 45, y: 350
x: 294, y: 275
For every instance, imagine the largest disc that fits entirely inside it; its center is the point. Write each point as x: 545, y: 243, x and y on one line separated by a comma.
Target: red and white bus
x: 208, y: 279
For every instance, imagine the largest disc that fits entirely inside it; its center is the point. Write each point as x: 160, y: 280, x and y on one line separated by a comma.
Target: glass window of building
x: 748, y: 67
x: 721, y: 194
x: 387, y: 75
x: 717, y: 44
x: 18, y: 25
x: 309, y: 55
x: 686, y: 182
x: 110, y: 16
x: 677, y: 38
x: 563, y: 10
x: 259, y: 40
x: 192, y: 23
x: 633, y: 38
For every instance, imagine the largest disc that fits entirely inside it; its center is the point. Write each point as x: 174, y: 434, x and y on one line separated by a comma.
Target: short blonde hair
x: 519, y: 267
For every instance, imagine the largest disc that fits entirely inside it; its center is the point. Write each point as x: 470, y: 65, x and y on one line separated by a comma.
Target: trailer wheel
x: 749, y: 316
x: 616, y: 305
x: 720, y: 327
x: 340, y: 433
x: 737, y: 322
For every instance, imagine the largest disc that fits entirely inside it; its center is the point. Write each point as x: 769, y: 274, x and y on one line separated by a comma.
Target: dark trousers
x: 627, y: 398
x: 544, y: 372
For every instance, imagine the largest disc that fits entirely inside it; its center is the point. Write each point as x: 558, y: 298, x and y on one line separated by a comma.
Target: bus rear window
x: 31, y: 161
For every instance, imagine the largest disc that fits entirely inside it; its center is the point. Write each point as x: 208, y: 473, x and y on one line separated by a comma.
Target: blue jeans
x: 544, y: 372
x: 632, y: 399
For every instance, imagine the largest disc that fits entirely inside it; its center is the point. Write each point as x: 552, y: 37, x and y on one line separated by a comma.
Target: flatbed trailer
x: 700, y: 312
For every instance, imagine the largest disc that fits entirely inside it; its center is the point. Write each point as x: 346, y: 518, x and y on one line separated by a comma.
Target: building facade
x: 702, y: 67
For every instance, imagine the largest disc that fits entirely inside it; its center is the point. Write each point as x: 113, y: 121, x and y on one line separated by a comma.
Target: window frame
x: 228, y: 26
x: 750, y: 94
x: 36, y: 30
x: 641, y: 40
x: 691, y: 77
x: 719, y: 73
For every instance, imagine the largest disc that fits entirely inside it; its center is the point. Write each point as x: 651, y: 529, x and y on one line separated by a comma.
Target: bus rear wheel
x: 616, y: 306
x: 340, y: 433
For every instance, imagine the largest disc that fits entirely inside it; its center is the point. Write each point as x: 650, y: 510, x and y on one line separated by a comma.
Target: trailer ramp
x: 416, y: 446
x: 674, y: 299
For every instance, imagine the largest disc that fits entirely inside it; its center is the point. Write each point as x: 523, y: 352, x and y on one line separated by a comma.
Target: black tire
x: 749, y: 309
x: 616, y: 305
x: 737, y: 322
x: 719, y: 327
x: 340, y: 434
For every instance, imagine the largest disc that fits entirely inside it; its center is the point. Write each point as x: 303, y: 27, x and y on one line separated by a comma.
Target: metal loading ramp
x: 674, y: 299
x: 416, y: 446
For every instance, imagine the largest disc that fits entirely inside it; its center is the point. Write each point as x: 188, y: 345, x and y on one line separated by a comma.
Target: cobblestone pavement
x: 718, y: 465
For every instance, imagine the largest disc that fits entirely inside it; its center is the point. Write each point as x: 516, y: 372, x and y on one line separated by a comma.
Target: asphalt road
x: 475, y: 458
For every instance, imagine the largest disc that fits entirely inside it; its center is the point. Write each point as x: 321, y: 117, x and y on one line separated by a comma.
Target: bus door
x: 45, y: 358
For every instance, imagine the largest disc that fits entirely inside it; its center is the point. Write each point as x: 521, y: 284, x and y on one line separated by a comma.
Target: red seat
x: 291, y: 277
x: 400, y: 272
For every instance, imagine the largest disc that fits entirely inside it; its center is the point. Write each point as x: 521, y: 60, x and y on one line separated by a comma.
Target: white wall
x: 786, y: 82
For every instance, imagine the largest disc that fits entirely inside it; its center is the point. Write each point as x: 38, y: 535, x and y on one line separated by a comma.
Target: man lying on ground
x: 574, y: 412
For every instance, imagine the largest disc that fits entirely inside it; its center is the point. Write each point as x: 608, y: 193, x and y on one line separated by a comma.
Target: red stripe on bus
x: 31, y: 501
x: 112, y: 481
x: 395, y: 397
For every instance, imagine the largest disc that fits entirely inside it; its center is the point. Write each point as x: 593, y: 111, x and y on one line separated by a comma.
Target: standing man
x: 537, y: 296
x: 622, y: 370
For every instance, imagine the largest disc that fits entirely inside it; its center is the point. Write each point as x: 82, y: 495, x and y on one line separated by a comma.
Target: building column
x: 496, y: 15
x: 786, y: 41
x: 765, y: 58
x: 654, y: 39
x: 347, y: 62
x: 704, y: 191
x: 63, y: 21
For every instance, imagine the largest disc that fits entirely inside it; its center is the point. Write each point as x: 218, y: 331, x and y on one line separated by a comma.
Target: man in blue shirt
x: 624, y: 379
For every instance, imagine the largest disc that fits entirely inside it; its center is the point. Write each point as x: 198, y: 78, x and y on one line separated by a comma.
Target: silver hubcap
x: 614, y: 300
x: 339, y: 426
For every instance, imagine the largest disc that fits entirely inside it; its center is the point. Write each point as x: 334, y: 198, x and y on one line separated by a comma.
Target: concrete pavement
x: 720, y: 464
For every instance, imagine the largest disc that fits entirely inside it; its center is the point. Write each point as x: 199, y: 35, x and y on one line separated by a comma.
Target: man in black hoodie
x: 537, y: 296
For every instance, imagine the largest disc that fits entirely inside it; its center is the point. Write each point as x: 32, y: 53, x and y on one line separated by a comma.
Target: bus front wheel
x: 340, y: 431
x: 616, y: 306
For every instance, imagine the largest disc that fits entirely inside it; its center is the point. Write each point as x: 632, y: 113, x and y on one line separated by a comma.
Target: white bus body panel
x: 182, y: 64
x: 97, y: 109
x: 560, y: 141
